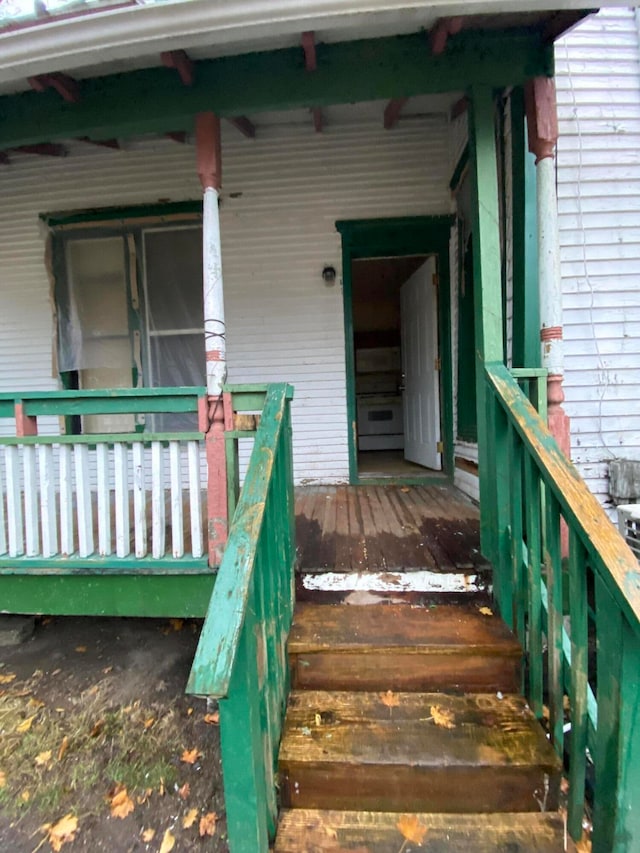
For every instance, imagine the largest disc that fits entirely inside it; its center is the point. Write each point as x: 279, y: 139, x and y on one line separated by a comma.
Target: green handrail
x: 568, y: 584
x: 177, y: 399
x: 241, y: 656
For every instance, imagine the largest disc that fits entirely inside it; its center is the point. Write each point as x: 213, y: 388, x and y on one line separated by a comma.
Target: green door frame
x: 397, y: 237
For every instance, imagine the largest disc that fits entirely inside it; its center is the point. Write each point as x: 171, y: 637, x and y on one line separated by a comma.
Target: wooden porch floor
x: 374, y: 528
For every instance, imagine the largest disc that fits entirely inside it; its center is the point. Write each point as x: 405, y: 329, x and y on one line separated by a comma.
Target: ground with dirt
x: 100, y: 749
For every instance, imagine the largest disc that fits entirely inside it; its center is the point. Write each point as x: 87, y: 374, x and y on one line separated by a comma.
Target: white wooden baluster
x: 66, y: 501
x: 122, y: 499
x: 157, y: 500
x: 177, y: 530
x: 86, y: 545
x: 104, y: 500
x: 48, y: 519
x: 195, y: 498
x: 139, y: 500
x: 3, y: 529
x: 30, y: 496
x: 14, y: 504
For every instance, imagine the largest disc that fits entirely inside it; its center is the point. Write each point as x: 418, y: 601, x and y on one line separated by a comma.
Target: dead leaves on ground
x: 168, y: 842
x: 61, y: 832
x: 411, y: 828
x: 190, y: 756
x: 120, y: 803
x: 443, y: 717
x: 207, y: 825
x: 190, y: 818
x: 390, y: 699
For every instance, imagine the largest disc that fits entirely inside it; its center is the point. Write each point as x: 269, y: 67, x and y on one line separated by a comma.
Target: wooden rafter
x: 179, y: 60
x: 177, y: 136
x: 441, y: 31
x: 308, y: 40
x: 244, y: 125
x: 460, y: 107
x: 392, y: 111
x: 64, y: 85
x: 43, y: 149
x: 102, y: 143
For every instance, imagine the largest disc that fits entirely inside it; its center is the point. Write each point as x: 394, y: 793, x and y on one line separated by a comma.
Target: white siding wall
x: 598, y: 82
x: 282, y: 194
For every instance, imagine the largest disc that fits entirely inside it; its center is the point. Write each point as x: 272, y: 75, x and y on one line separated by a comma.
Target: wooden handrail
x: 611, y: 555
x: 100, y: 402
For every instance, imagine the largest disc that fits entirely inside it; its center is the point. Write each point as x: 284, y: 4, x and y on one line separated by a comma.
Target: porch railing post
x: 209, y: 161
x: 492, y: 454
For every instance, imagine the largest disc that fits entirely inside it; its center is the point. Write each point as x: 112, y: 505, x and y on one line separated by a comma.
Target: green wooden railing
x: 570, y: 587
x: 241, y: 657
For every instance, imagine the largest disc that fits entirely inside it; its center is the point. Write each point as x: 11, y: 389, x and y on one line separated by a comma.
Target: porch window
x: 130, y: 314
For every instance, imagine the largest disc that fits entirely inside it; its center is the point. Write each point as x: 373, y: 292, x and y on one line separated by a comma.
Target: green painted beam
x: 154, y: 100
x: 170, y: 595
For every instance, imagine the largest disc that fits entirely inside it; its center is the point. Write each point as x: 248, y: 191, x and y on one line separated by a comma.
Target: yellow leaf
x: 121, y: 803
x: 168, y: 842
x: 7, y: 678
x: 25, y: 725
x: 3, y: 779
x: 63, y: 748
x: 142, y: 798
x: 212, y: 719
x: 390, y: 699
x: 148, y: 723
x: 25, y: 795
x: 62, y: 832
x: 412, y: 829
x: 43, y: 758
x: 190, y: 818
x: 443, y: 717
x: 148, y: 835
x: 208, y: 824
x: 97, y: 728
x: 189, y: 712
x: 184, y: 791
x: 486, y: 611
x: 35, y: 703
x: 81, y: 649
x: 190, y: 756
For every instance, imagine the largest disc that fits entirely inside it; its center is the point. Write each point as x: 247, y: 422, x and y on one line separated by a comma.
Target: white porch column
x: 542, y: 125
x: 209, y: 160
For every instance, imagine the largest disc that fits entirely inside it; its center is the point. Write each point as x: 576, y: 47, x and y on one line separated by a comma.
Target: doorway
x: 397, y: 386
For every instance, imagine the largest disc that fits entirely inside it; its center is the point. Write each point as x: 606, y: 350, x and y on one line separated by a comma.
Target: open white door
x: 419, y: 338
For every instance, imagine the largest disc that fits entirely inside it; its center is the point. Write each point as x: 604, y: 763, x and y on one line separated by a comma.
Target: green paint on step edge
x: 176, y: 595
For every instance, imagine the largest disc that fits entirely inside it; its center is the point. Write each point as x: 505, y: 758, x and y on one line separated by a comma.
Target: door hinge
x: 440, y: 447
x: 436, y: 279
x: 437, y: 365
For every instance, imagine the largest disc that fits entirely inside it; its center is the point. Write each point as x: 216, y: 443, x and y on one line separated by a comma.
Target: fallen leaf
x: 208, y: 824
x: 411, y: 828
x: 25, y: 795
x: 121, y: 803
x: 148, y: 723
x: 189, y: 712
x: 25, y: 725
x: 3, y: 779
x: 486, y: 611
x: 190, y: 756
x: 184, y: 791
x: 190, y: 818
x: 212, y: 719
x: 7, y: 678
x: 97, y: 728
x: 148, y: 835
x: 81, y: 649
x: 43, y: 759
x: 106, y: 671
x: 584, y: 845
x: 161, y: 789
x: 35, y: 703
x: 168, y: 842
x: 64, y: 746
x: 61, y: 832
x: 390, y: 699
x: 176, y: 624
x: 142, y: 798
x: 443, y: 717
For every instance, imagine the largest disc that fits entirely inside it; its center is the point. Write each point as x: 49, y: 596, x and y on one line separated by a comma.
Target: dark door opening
x: 397, y: 384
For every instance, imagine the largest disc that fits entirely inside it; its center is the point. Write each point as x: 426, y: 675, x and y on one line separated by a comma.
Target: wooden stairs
x: 405, y: 731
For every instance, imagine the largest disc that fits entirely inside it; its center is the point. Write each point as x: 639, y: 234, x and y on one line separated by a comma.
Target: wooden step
x: 310, y: 831
x: 398, y: 647
x: 415, y: 752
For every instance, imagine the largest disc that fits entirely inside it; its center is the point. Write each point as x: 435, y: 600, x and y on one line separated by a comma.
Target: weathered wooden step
x: 398, y: 647
x: 311, y: 831
x: 430, y: 752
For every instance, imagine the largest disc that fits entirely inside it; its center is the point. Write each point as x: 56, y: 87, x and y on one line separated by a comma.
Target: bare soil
x: 93, y: 707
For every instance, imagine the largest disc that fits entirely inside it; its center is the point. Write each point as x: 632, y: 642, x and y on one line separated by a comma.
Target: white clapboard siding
x: 598, y: 83
x: 282, y: 195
